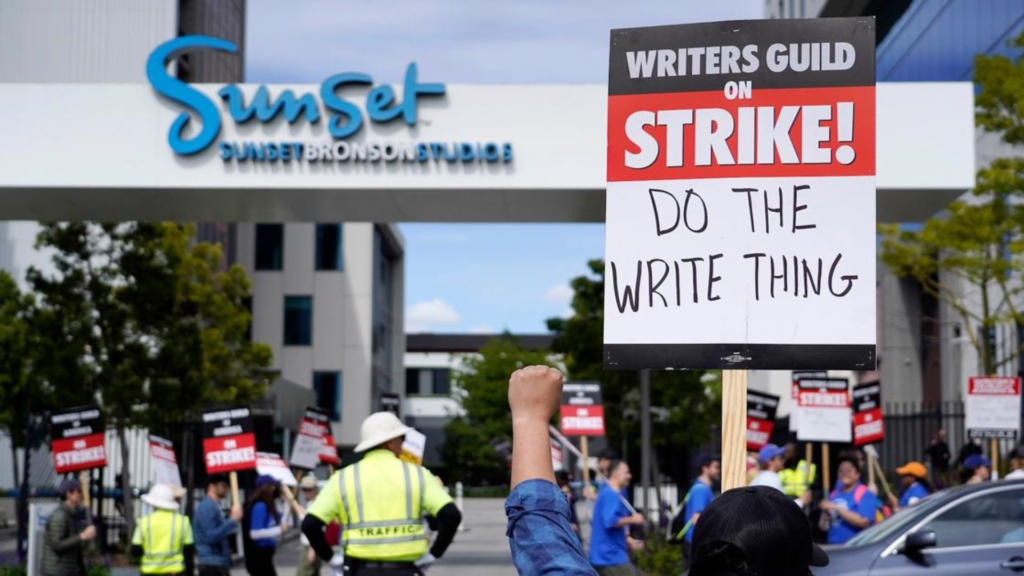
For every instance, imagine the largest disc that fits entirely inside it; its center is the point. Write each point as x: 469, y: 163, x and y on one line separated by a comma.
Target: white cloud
x: 559, y: 294
x: 480, y: 329
x: 426, y: 315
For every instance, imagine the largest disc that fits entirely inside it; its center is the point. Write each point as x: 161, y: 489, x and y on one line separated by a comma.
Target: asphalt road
x: 481, y: 549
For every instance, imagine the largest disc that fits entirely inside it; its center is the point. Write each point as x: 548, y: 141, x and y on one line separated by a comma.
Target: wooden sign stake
x: 734, y: 429
x: 871, y: 470
x: 299, y: 510
x: 83, y: 479
x: 585, y: 449
x: 826, y: 485
x: 233, y: 478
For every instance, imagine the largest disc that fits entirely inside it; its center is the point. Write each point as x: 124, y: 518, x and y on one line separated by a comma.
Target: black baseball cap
x: 754, y: 531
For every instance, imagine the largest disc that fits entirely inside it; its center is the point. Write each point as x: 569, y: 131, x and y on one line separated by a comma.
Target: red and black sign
x: 328, y: 450
x: 77, y: 439
x: 229, y: 443
x: 582, y: 413
x: 761, y: 410
x: 741, y: 187
x: 868, y: 426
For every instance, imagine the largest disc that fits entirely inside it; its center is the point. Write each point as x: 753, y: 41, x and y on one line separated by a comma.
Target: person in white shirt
x: 771, y: 459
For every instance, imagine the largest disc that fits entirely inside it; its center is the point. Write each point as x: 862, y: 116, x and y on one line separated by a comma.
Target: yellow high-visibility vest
x: 382, y: 498
x: 379, y: 503
x: 163, y: 536
x: 797, y: 481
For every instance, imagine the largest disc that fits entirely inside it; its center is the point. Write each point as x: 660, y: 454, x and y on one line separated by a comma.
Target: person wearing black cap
x: 65, y: 535
x: 754, y: 531
x: 212, y: 531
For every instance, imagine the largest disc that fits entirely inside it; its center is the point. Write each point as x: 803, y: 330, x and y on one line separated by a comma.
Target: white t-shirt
x: 768, y: 478
x: 1015, y: 475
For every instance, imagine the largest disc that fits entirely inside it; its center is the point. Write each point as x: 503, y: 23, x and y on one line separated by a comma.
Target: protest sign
x: 270, y: 464
x: 868, y: 426
x: 229, y: 444
x: 741, y: 196
x: 824, y: 410
x: 163, y: 461
x: 413, y: 447
x: 993, y: 407
x: 391, y: 402
x: 309, y: 442
x: 77, y: 439
x: 582, y: 413
x: 557, y: 456
x: 761, y: 408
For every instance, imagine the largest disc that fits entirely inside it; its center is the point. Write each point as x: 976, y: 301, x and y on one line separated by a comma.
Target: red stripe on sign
x: 759, y: 432
x: 82, y: 453
x: 230, y: 453
x: 582, y: 420
x: 868, y: 427
x: 994, y: 386
x: 775, y: 133
x: 824, y: 399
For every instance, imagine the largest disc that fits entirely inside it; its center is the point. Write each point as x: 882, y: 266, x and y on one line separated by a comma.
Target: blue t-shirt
x: 842, y: 531
x: 916, y: 492
x: 700, y: 496
x: 608, y: 542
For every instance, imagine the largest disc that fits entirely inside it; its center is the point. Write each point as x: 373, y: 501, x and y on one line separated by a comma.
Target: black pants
x: 259, y: 561
x: 214, y: 571
x: 353, y: 567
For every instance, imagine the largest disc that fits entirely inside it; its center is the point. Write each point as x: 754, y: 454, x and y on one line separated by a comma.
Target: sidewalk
x: 481, y: 550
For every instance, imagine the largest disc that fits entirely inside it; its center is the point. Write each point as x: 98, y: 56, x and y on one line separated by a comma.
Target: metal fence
x: 910, y: 428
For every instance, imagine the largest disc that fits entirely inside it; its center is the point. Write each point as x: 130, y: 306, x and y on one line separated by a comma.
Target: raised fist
x: 534, y: 393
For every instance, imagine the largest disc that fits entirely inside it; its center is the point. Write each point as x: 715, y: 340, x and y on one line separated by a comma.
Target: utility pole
x: 645, y: 437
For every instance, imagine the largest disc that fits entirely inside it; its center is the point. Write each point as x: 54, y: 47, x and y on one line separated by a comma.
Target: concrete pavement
x: 480, y: 550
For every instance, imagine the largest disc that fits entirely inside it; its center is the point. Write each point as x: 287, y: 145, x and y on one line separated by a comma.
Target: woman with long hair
x: 263, y: 527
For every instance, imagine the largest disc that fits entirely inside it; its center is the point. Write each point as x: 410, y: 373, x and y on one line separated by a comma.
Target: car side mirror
x: 919, y: 541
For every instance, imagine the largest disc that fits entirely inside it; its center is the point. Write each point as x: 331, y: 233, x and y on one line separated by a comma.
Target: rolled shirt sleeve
x: 539, y: 533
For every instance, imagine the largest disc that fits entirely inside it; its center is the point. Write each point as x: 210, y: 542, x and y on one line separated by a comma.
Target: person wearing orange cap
x: 915, y: 485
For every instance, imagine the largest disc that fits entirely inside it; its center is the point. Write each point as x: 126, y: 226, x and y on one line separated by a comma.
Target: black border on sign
x: 740, y: 356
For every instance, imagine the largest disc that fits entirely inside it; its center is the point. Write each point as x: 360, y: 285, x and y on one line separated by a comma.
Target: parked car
x: 976, y: 530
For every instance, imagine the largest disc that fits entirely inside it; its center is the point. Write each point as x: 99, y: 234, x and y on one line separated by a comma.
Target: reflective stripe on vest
x: 379, y: 525
x: 796, y: 482
x: 164, y: 544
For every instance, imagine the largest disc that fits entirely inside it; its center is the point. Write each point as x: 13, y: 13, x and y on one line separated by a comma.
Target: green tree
x: 975, y: 245
x: 142, y: 319
x: 19, y: 389
x: 476, y: 444
x: 686, y: 404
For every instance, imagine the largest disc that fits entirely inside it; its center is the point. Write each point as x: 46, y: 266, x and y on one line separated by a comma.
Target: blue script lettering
x: 381, y: 103
x: 182, y: 93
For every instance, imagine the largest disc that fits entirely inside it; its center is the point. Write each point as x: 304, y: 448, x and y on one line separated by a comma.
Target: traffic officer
x: 798, y: 476
x: 380, y: 502
x: 162, y: 538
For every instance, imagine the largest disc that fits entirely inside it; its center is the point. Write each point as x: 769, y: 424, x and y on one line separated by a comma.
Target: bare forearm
x: 531, y: 451
x: 853, y: 518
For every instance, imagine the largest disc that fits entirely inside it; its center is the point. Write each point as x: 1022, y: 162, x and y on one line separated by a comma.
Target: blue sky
x: 470, y: 277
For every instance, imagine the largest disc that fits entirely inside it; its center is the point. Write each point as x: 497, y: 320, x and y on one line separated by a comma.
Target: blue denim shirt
x: 539, y: 532
x: 211, y: 530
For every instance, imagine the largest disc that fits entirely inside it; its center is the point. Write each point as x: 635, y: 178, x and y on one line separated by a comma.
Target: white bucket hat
x: 378, y: 428
x: 161, y: 496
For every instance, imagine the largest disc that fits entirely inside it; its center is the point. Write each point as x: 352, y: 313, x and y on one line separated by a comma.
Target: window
x: 298, y: 320
x: 427, y: 381
x: 269, y: 246
x: 329, y: 253
x: 994, y: 518
x: 327, y: 387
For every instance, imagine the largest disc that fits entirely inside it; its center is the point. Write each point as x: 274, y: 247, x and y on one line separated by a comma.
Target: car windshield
x: 897, y: 523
